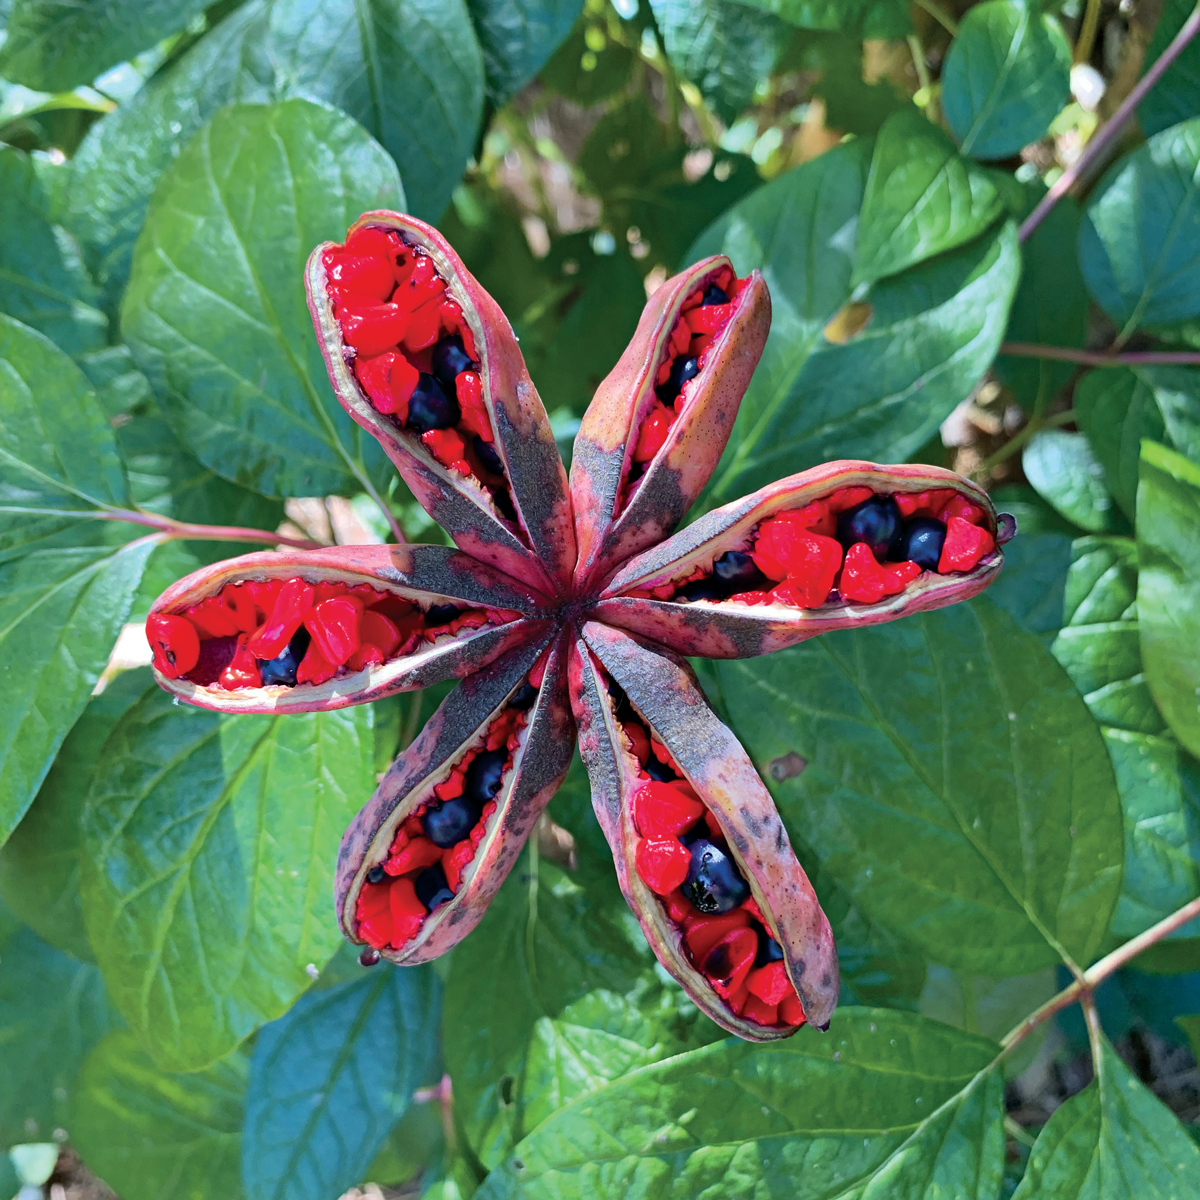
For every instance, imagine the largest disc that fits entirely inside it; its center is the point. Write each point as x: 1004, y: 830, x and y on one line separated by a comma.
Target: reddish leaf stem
x: 208, y: 533
x: 1108, y: 134
x: 1101, y: 358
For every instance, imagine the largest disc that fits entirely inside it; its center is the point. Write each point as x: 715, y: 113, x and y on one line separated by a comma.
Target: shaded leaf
x: 208, y: 865
x: 1062, y: 467
x: 862, y: 18
x: 1173, y: 98
x: 215, y: 310
x: 1031, y: 585
x: 517, y: 37
x: 1006, y: 77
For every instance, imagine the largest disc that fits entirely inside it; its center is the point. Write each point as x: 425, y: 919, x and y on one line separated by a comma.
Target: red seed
x: 240, y: 604
x: 372, y: 329
x: 899, y: 576
x: 365, y: 656
x: 964, y: 546
x: 760, y: 1013
x: 639, y: 742
x: 371, y: 240
x: 960, y: 506
x: 817, y: 517
x: 408, y: 913
x: 810, y: 560
x: 662, y: 863
x: 313, y: 667
x: 663, y: 811
x: 243, y: 670
x: 769, y: 983
x: 863, y: 580
x: 334, y: 628
x: 362, y: 275
x: 175, y: 643
x: 455, y: 861
x: 448, y: 447
x: 791, y: 1011
x: 416, y: 855
x: 779, y: 547
x: 424, y: 326
x: 703, y: 933
x: 292, y: 605
x: 389, y: 380
x: 375, y: 628
x: 728, y: 963
x: 711, y: 319
x: 212, y: 619
x: 847, y: 497
x: 264, y: 593
x: 653, y: 432
x: 678, y: 909
x: 374, y: 914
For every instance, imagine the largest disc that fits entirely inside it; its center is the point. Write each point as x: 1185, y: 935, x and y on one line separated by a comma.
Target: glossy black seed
x: 713, y: 883
x: 450, y: 360
x: 714, y: 295
x: 432, y: 888
x: 739, y: 574
x: 658, y: 770
x: 369, y: 957
x: 376, y: 875
x: 682, y: 369
x: 524, y: 697
x: 769, y: 950
x: 488, y: 456
x: 450, y: 821
x: 876, y: 521
x: 921, y: 542
x: 429, y: 407
x: 282, y: 668
x: 441, y: 614
x: 484, y: 776
x: 709, y: 588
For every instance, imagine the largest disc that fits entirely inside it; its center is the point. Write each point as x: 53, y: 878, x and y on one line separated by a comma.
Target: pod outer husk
x: 734, y: 629
x: 430, y: 574
x: 714, y: 763
x: 539, y: 766
x: 676, y: 476
x: 543, y: 548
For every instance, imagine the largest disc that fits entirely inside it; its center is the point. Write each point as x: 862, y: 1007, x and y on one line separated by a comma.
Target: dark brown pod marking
x: 535, y: 770
x: 731, y: 628
x: 665, y: 696
x: 613, y: 523
x: 540, y: 544
x: 425, y: 575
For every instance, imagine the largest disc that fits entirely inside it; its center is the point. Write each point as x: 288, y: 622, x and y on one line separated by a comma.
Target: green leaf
x: 215, y: 310
x: 331, y: 1078
x: 1065, y: 472
x: 885, y: 1105
x: 56, y: 45
x: 932, y: 331
x: 53, y: 1010
x: 44, y: 281
x: 863, y: 18
x: 1113, y: 1140
x: 921, y: 199
x: 1168, y: 599
x: 154, y: 1135
x: 517, y: 38
x: 1173, y: 98
x: 40, y: 864
x: 1006, y: 77
x: 956, y: 785
x: 1035, y: 572
x: 1139, y: 245
x: 209, y: 844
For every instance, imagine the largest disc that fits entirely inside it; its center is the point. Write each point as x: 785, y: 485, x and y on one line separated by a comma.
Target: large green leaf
x: 1113, y: 1141
x: 209, y: 844
x: 1173, y: 98
x: 517, y: 37
x: 40, y: 864
x: 884, y: 1105
x: 864, y: 18
x: 1139, y: 244
x: 921, y: 199
x: 53, y: 1009
x: 215, y: 309
x: 331, y: 1078
x: 158, y: 1136
x: 1065, y: 472
x: 43, y: 280
x: 1006, y: 77
x: 1168, y: 598
x: 956, y: 784
x: 933, y: 330
x: 55, y: 45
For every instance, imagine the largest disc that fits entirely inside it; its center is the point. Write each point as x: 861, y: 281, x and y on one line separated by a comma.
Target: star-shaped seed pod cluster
x: 566, y: 609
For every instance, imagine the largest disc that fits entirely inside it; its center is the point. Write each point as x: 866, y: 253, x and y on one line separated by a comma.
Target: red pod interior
x: 839, y: 550
x: 435, y: 843
x: 702, y: 319
x: 413, y: 353
x: 733, y: 949
x: 277, y: 632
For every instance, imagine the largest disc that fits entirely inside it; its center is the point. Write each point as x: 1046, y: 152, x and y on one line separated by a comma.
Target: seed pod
x: 648, y: 595
x: 389, y: 831
x: 662, y: 695
x: 494, y: 614
x: 522, y: 522
x: 619, y: 515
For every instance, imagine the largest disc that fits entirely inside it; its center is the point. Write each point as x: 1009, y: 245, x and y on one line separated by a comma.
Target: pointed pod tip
x: 1006, y: 528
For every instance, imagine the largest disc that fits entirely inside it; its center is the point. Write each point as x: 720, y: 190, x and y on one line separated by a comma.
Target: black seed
x: 739, y: 574
x: 524, y: 697
x: 450, y: 360
x: 376, y: 875
x: 876, y: 521
x: 369, y: 957
x: 921, y: 542
x: 659, y: 770
x: 429, y: 407
x: 682, y: 369
x: 488, y: 456
x: 769, y: 950
x: 282, y: 668
x: 432, y: 888
x: 713, y: 295
x: 709, y: 588
x: 450, y: 821
x: 441, y: 614
x: 484, y: 776
x: 713, y: 883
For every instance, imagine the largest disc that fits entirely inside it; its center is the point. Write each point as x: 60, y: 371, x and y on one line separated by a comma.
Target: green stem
x: 940, y: 15
x: 1087, y: 32
x: 1103, y: 358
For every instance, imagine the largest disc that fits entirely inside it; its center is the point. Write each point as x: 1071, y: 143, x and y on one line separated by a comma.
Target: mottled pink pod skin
x: 734, y: 629
x: 542, y: 549
x: 426, y: 574
x: 664, y: 694
x: 602, y: 455
x: 537, y: 770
